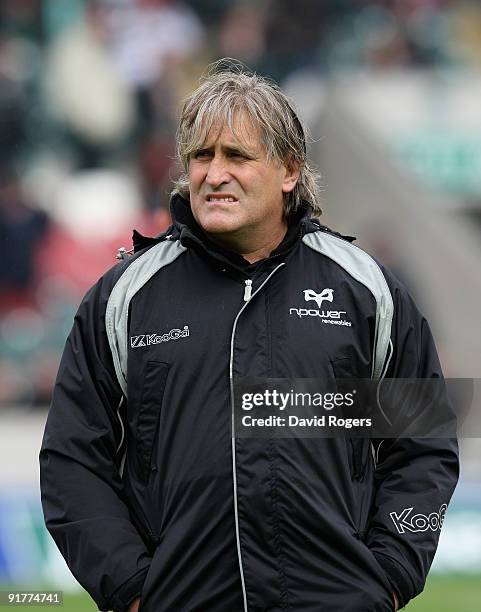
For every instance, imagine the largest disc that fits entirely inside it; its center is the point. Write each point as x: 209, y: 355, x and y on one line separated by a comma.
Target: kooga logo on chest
x: 333, y: 317
x: 149, y: 339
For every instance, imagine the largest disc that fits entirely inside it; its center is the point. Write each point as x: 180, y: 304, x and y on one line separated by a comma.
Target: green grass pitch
x: 442, y: 594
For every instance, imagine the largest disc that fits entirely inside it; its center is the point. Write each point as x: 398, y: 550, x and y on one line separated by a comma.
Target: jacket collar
x: 192, y: 235
x: 186, y: 229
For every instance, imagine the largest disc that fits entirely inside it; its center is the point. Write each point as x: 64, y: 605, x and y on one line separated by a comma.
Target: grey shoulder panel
x: 361, y: 266
x: 133, y: 278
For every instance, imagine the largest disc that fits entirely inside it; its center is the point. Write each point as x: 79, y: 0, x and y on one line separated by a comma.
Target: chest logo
x: 150, y: 339
x: 326, y: 294
x: 331, y: 317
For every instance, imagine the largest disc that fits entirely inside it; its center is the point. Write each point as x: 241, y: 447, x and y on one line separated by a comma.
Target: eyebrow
x: 233, y: 148
x: 238, y: 148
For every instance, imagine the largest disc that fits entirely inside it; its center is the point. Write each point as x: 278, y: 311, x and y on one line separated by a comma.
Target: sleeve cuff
x: 130, y: 590
x: 398, y: 578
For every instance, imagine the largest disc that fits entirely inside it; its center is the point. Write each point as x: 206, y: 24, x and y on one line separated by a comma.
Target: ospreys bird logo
x: 325, y: 295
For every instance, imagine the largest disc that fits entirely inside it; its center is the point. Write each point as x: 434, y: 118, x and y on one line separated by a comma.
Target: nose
x: 217, y: 172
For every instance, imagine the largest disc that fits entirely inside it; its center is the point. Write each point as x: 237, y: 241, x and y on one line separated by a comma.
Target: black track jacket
x: 147, y: 490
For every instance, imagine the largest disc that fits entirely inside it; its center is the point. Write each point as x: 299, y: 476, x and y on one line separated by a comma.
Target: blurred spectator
x: 58, y: 16
x: 21, y: 18
x: 466, y: 34
x: 94, y: 213
x: 85, y: 91
x: 42, y: 281
x: 242, y: 32
x: 212, y: 11
x: 147, y: 36
x: 21, y: 231
x: 294, y: 32
x: 18, y: 68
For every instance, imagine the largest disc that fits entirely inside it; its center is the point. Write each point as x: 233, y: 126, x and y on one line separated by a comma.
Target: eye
x: 202, y: 154
x: 237, y: 155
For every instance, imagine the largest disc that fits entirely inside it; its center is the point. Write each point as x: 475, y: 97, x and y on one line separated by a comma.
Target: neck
x: 253, y: 248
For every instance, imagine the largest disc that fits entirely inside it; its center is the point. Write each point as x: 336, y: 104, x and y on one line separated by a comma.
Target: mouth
x: 221, y: 198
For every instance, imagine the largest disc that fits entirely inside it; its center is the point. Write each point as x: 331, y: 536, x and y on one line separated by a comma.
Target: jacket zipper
x: 248, y: 295
x: 149, y: 531
x: 248, y: 290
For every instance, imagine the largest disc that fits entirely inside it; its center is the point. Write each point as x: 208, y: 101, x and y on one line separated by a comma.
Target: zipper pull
x: 248, y: 290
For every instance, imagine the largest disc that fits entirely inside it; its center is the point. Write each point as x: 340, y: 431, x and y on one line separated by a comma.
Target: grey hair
x: 228, y: 88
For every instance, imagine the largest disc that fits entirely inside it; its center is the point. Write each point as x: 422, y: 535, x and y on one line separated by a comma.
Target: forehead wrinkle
x: 242, y: 135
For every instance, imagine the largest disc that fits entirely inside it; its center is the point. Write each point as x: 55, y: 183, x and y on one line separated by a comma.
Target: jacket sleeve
x: 415, y: 477
x: 82, y: 493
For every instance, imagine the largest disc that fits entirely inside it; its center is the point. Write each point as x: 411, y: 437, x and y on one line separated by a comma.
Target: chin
x: 218, y: 225
x: 219, y: 229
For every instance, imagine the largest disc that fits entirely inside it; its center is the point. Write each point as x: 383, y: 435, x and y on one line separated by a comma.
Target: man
x: 152, y: 497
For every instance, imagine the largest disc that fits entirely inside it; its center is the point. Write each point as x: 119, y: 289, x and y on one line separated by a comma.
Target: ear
x: 293, y: 171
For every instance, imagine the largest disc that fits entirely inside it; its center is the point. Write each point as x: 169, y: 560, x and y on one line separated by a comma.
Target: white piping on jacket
x: 121, y: 423
x: 122, y: 437
x: 391, y: 351
x: 375, y: 452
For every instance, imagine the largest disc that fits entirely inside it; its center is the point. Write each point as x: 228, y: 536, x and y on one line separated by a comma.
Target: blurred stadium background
x: 89, y: 96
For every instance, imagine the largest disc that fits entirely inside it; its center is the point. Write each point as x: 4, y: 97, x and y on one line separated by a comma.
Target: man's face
x: 235, y: 190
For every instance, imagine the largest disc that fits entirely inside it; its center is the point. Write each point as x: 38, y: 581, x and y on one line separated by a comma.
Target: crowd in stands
x: 89, y: 96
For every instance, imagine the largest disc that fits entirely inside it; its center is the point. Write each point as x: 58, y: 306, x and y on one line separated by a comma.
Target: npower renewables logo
x: 150, y: 339
x: 331, y: 317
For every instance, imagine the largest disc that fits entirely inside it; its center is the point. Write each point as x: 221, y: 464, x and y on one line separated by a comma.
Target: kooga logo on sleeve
x: 149, y: 339
x: 418, y: 522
